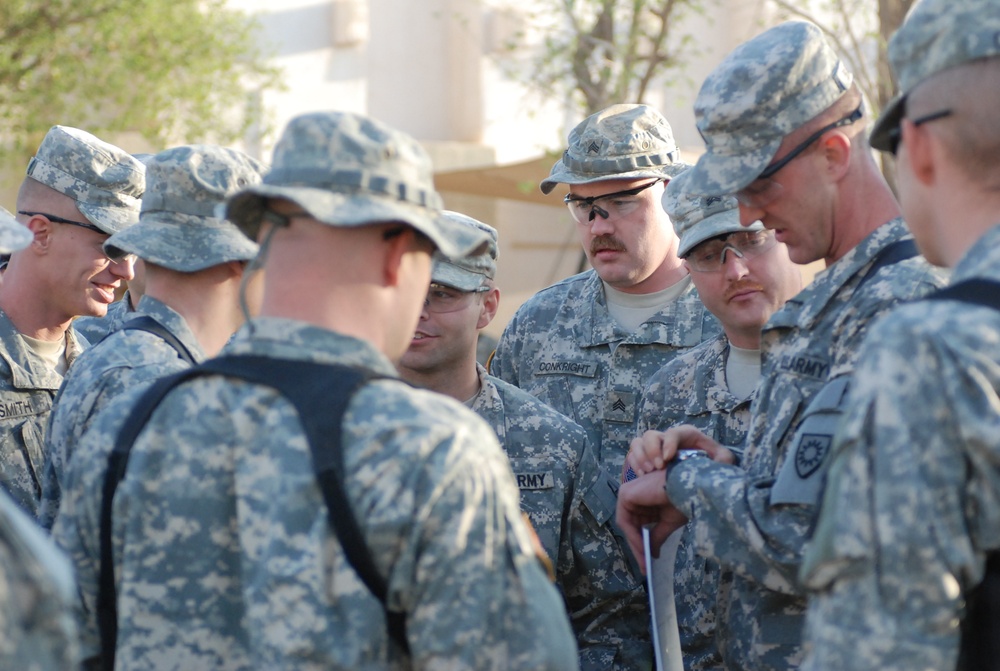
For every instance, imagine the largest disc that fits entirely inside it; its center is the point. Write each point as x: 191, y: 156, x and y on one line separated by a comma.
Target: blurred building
x: 429, y: 67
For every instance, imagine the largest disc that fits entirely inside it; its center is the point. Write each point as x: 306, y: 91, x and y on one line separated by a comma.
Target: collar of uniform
x: 712, y: 394
x: 170, y: 320
x: 27, y: 371
x: 488, y: 403
x: 982, y: 259
x: 301, y: 341
x: 666, y: 327
x: 808, y: 306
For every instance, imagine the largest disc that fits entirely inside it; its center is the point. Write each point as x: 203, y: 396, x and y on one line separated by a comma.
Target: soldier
x: 78, y: 190
x: 911, y: 505
x: 587, y: 345
x: 221, y: 507
x: 784, y: 130
x: 563, y: 489
x: 37, y: 629
x: 743, y: 275
x: 194, y: 268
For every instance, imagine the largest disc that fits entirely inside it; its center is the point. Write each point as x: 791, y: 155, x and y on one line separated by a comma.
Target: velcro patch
x: 579, y: 368
x: 543, y: 480
x: 811, y: 453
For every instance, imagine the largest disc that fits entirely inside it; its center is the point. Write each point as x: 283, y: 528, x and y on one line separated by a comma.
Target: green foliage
x: 600, y: 52
x: 168, y: 69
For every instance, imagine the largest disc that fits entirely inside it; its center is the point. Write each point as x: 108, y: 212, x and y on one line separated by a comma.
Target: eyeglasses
x: 441, y: 298
x: 60, y: 220
x: 710, y: 256
x: 125, y: 258
x: 896, y: 134
x: 617, y: 203
x: 764, y: 190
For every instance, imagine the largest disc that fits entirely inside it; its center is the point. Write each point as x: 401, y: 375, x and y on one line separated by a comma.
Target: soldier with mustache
x: 588, y: 344
x: 743, y: 275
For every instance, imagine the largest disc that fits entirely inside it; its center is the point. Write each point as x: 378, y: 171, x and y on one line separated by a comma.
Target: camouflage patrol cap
x: 106, y: 182
x: 348, y: 170
x: 936, y: 35
x: 13, y: 235
x: 469, y: 272
x: 620, y: 142
x: 178, y: 227
x: 697, y: 217
x: 763, y: 90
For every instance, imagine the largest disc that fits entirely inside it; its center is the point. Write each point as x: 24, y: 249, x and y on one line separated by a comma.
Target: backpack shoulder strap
x: 892, y: 253
x: 978, y: 291
x: 150, y: 325
x: 320, y: 394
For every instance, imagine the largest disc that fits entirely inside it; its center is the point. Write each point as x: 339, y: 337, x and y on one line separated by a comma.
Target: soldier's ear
x: 43, y: 230
x: 488, y: 310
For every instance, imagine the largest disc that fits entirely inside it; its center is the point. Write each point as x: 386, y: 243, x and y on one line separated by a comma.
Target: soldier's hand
x: 654, y: 449
x: 643, y: 502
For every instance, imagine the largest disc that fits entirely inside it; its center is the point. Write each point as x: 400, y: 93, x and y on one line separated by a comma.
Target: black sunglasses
x: 895, y: 135
x: 772, y: 169
x: 60, y: 220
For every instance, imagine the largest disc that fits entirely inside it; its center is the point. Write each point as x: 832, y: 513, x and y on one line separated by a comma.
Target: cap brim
x: 182, y: 242
x: 562, y: 175
x: 720, y: 174
x: 455, y: 277
x: 108, y: 219
x: 349, y: 210
x: 722, y: 223
x: 890, y: 119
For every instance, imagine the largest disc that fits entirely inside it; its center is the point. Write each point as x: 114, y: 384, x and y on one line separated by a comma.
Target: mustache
x: 742, y: 285
x: 606, y: 243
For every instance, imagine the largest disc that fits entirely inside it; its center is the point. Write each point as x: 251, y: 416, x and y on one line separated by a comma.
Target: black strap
x: 150, y: 325
x: 892, y: 253
x: 978, y: 291
x: 980, y: 646
x: 320, y: 394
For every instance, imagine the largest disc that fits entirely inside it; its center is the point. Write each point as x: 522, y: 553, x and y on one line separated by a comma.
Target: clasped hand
x: 643, y: 502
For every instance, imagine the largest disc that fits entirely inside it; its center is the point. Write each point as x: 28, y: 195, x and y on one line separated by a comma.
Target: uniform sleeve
x: 475, y: 594
x: 607, y: 605
x: 77, y: 526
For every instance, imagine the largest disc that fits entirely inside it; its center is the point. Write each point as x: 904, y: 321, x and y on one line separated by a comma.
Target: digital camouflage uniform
x: 37, y: 629
x: 571, y: 504
x: 28, y: 386
x: 912, y: 503
x: 177, y: 230
x: 563, y: 346
x: 755, y: 521
x: 692, y: 389
x: 430, y: 487
x: 124, y: 361
x: 220, y: 506
x: 105, y: 183
x: 95, y: 328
